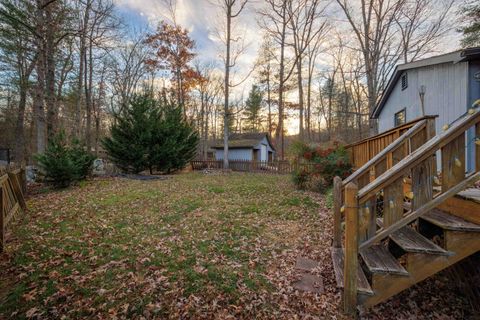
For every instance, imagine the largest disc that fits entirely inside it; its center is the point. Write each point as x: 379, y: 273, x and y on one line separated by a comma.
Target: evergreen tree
x: 130, y: 136
x: 151, y: 135
x: 253, y: 107
x: 174, y: 141
x: 471, y: 31
x: 62, y: 163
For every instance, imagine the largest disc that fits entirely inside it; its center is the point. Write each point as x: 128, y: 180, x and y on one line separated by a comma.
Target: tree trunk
x: 88, y: 94
x: 50, y: 75
x: 81, y: 70
x: 309, y: 106
x: 19, y: 152
x: 269, y: 102
x: 300, y: 97
x: 227, y: 87
x: 280, y: 132
x: 39, y: 108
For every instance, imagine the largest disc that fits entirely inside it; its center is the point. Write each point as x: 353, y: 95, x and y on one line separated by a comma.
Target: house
x: 247, y: 146
x: 377, y: 252
x: 445, y: 85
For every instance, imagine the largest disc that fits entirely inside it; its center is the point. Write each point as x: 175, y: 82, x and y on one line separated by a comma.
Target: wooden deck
x: 430, y: 211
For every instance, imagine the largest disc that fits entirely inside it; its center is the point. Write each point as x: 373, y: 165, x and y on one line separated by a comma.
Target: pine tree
x: 151, y: 135
x: 471, y: 31
x: 130, y: 136
x: 64, y: 163
x: 174, y: 141
x: 253, y: 107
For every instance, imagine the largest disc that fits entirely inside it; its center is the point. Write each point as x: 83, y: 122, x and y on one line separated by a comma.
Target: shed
x: 444, y: 85
x: 247, y: 146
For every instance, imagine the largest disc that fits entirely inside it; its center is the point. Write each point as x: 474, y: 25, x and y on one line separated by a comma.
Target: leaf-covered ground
x: 193, y: 246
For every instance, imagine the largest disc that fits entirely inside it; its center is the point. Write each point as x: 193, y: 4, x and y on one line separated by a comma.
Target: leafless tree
x: 128, y: 68
x: 231, y: 9
x: 275, y: 21
x: 422, y: 24
x: 305, y: 25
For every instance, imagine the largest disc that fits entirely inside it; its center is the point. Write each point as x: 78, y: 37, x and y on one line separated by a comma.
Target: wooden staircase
x: 420, y: 227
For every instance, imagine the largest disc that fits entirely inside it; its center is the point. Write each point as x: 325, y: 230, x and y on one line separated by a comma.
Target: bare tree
x: 376, y: 25
x: 231, y: 10
x: 128, y: 68
x: 374, y: 30
x: 275, y: 20
x: 422, y: 24
x: 305, y: 27
x: 266, y: 72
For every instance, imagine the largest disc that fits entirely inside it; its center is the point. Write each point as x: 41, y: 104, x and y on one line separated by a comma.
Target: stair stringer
x: 421, y: 266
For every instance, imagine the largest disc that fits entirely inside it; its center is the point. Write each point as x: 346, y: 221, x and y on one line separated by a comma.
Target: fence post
x: 351, y: 248
x: 337, y: 214
x: 2, y: 221
x: 17, y: 189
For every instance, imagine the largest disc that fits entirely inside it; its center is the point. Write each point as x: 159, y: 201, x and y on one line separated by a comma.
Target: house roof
x: 245, y: 140
x: 452, y: 57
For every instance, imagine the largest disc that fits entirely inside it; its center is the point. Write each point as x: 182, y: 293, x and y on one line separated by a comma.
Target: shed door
x: 263, y: 153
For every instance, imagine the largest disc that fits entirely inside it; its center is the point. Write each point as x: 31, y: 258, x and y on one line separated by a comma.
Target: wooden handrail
x: 425, y: 151
x: 391, y: 147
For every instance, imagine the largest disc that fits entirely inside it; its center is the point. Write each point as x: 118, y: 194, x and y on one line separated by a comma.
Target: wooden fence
x: 364, y: 150
x: 12, y: 190
x: 273, y: 167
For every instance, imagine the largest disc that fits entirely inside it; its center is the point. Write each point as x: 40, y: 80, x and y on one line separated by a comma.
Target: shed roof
x: 245, y: 140
x: 451, y: 57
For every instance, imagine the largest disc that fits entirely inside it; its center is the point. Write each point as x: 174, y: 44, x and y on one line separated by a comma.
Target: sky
x: 203, y: 19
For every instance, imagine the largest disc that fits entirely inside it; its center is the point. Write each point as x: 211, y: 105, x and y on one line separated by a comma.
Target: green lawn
x: 193, y: 246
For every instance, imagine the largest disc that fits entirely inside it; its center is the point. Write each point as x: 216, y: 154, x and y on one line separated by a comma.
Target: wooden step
x: 411, y: 241
x: 449, y: 222
x: 378, y: 259
x: 337, y: 258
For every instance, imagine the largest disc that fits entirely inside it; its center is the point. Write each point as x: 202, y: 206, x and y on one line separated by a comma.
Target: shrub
x: 328, y: 163
x: 62, y: 164
x: 300, y: 178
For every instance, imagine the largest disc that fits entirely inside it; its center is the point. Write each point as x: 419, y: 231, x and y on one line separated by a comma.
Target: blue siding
x: 235, y: 154
x: 473, y: 95
x: 446, y: 95
x: 447, y: 87
x: 247, y: 153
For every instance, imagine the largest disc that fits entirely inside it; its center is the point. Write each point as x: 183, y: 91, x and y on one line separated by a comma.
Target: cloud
x: 204, y: 20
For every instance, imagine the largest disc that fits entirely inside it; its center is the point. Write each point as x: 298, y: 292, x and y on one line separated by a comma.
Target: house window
x: 404, y: 81
x: 400, y: 117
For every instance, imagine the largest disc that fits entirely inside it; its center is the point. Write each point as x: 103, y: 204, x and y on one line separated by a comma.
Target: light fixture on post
x: 421, y: 93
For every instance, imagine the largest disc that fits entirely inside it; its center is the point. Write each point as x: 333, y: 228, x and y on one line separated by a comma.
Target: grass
x: 152, y: 248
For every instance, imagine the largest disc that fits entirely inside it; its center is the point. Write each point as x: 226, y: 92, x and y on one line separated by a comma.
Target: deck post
x: 351, y: 249
x: 337, y: 214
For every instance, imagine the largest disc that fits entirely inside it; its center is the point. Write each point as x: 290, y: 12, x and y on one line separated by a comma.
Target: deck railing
x: 364, y: 150
x: 358, y: 200
x: 410, y: 140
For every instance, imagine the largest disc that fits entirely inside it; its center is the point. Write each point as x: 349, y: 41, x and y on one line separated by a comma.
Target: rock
x: 305, y: 264
x: 309, y: 283
x: 98, y: 167
x: 31, y: 173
